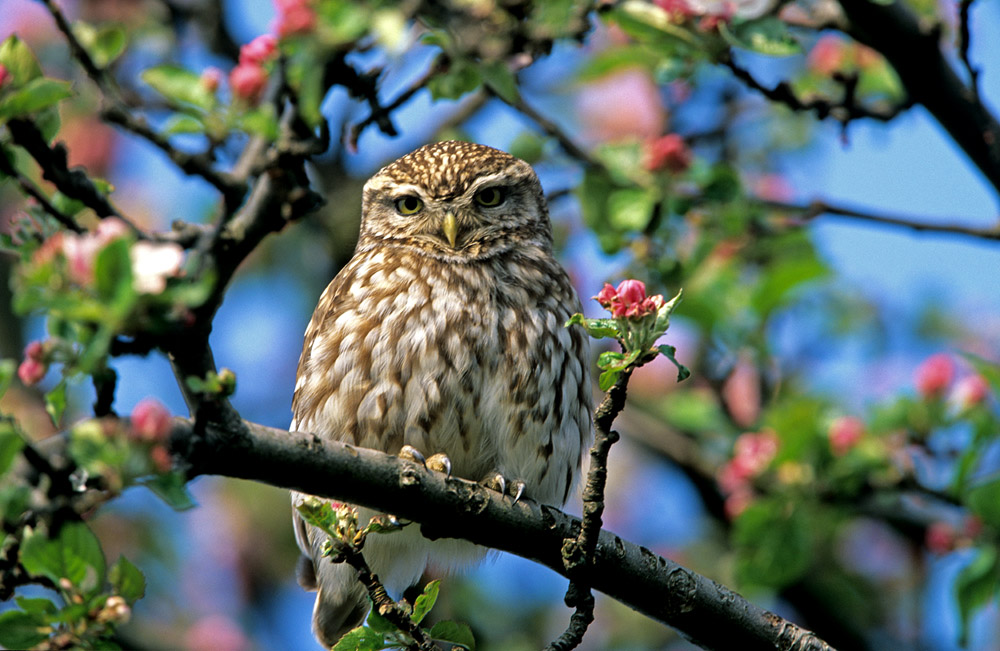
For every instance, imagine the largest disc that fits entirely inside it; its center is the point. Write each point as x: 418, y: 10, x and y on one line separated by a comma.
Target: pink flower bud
x: 150, y: 421
x: 607, y: 295
x: 31, y: 371
x: 632, y: 291
x: 827, y: 56
x: 971, y: 391
x: 248, y: 81
x: 161, y: 458
x: 80, y: 252
x: 259, y: 50
x: 35, y: 350
x: 678, y: 10
x: 668, y: 152
x: 5, y: 75
x: 934, y: 375
x: 940, y: 538
x: 754, y: 451
x: 211, y: 78
x: 294, y: 17
x: 844, y: 433
x: 738, y: 502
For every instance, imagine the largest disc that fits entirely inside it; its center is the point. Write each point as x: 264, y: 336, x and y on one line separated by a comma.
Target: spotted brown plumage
x: 444, y: 332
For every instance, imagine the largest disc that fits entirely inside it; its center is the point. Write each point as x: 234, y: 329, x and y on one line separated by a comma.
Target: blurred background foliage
x: 834, y: 454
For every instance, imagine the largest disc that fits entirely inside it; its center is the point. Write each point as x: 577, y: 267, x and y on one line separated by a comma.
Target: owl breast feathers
x: 444, y: 332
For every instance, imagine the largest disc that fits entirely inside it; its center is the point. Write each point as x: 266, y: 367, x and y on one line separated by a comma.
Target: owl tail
x: 341, y: 600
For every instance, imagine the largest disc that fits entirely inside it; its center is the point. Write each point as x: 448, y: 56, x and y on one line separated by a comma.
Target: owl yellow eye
x: 490, y: 197
x: 409, y: 205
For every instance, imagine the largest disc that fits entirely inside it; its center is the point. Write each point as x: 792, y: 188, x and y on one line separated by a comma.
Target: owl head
x: 455, y: 200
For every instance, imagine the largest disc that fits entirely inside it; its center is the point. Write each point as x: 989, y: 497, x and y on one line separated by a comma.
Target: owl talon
x: 411, y: 453
x: 517, y: 490
x: 441, y: 463
x: 496, y: 482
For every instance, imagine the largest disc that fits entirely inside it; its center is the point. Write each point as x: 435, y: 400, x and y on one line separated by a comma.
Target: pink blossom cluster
x: 150, y: 423
x: 152, y: 262
x: 935, y: 376
x: 294, y: 17
x: 845, y: 433
x: 35, y: 364
x: 752, y: 454
x: 831, y: 54
x: 668, y: 152
x: 249, y: 78
x: 629, y: 300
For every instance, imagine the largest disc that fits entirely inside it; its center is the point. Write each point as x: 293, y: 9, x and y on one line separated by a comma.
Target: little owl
x: 444, y: 333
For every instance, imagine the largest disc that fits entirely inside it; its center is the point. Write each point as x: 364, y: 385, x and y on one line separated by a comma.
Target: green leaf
x: 105, y: 44
x: 19, y: 61
x: 984, y: 500
x: 21, y: 630
x: 261, y: 121
x: 683, y: 372
x: 425, y: 601
x: 610, y: 359
x: 55, y: 402
x: 461, y: 77
x: 182, y: 123
x: 630, y: 209
x: 37, y: 605
x: 319, y: 513
x: 499, y: 78
x: 8, y: 367
x: 975, y: 586
x: 179, y: 85
x: 650, y: 24
x: 127, y: 580
x: 768, y: 35
x: 454, y: 632
x: 113, y: 275
x: 172, y: 489
x: 597, y: 328
x: 361, y: 639
x: 36, y: 95
x: 378, y: 622
x: 773, y: 541
x: 11, y: 444
x: 607, y: 379
x: 75, y: 555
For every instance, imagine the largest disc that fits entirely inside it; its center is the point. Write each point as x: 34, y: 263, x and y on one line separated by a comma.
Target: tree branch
x: 818, y: 207
x: 702, y: 610
x: 915, y: 53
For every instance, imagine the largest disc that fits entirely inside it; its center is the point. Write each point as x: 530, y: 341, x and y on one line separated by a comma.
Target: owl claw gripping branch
x: 444, y: 333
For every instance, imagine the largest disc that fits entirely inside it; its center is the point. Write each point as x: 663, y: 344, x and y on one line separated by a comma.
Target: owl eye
x: 490, y: 197
x: 409, y: 205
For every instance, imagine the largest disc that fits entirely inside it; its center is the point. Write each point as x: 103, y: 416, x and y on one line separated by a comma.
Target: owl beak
x: 450, y: 228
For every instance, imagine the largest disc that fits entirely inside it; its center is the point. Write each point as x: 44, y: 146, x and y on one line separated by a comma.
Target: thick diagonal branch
x: 702, y: 610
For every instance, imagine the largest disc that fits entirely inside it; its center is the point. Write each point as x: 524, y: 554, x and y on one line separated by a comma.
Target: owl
x: 445, y: 333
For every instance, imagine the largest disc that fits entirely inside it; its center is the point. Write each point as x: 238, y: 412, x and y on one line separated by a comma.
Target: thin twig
x: 578, y: 553
x: 551, y: 128
x: 816, y: 208
x: 383, y: 603
x: 35, y: 193
x: 964, y: 41
x: 379, y: 112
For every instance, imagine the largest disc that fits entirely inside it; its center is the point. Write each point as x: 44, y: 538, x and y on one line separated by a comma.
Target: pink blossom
x: 211, y: 78
x: 753, y: 451
x: 940, y: 538
x: 737, y: 502
x: 5, y: 75
x: 827, y: 55
x: 161, y: 458
x: 80, y: 252
x: 629, y: 300
x: 35, y: 350
x: 844, y: 433
x: 732, y: 477
x: 248, y: 81
x: 31, y: 371
x: 971, y: 391
x: 668, y: 152
x: 153, y: 263
x: 150, y: 421
x: 632, y: 291
x: 294, y: 17
x: 606, y: 296
x: 259, y: 50
x: 679, y: 10
x: 110, y: 229
x: 934, y: 375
